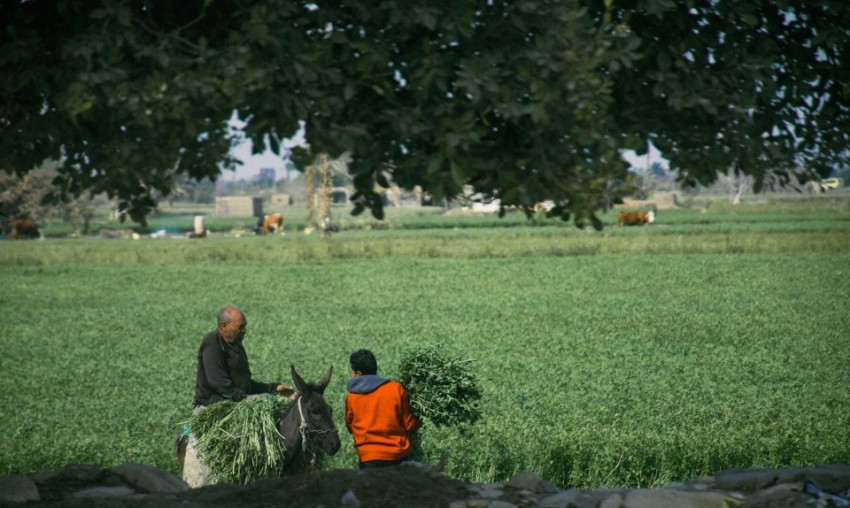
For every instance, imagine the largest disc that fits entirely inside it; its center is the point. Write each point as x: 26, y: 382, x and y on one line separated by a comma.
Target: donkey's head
x: 318, y: 425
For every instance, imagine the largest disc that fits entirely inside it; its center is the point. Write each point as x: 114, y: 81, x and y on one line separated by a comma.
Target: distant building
x: 278, y: 200
x: 239, y: 206
x: 267, y: 176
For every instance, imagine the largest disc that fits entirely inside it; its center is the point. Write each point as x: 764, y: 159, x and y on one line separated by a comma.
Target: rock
x: 668, y: 498
x: 576, y: 498
x: 149, y: 479
x: 349, y: 500
x: 501, y: 504
x: 18, y: 489
x: 780, y: 497
x: 95, y: 492
x: 832, y: 477
x: 488, y: 492
x: 613, y: 501
x: 532, y: 482
x: 82, y: 472
x: 45, y: 476
x: 139, y: 486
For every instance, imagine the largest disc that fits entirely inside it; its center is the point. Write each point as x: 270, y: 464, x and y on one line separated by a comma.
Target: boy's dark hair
x: 364, y: 362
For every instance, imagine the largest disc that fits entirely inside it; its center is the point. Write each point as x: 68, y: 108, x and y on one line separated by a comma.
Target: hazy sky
x: 642, y: 162
x: 253, y: 163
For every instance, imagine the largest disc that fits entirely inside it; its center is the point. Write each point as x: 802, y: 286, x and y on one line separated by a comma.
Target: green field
x: 716, y: 338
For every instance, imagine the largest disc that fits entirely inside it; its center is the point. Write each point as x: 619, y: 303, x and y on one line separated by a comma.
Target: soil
x: 396, y: 487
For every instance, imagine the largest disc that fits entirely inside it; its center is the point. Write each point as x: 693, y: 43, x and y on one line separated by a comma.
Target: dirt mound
x: 396, y: 487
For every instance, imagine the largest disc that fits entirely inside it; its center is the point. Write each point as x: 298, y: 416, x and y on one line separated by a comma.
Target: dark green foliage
x: 239, y: 441
x: 525, y: 101
x: 443, y: 391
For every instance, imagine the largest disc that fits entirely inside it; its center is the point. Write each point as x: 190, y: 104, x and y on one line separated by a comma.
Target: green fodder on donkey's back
x: 239, y: 442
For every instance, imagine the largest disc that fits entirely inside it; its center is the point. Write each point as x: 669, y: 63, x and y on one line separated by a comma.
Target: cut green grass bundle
x: 239, y: 442
x: 442, y: 390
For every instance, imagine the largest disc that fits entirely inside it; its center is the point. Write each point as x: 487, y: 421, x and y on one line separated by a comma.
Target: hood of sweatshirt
x: 366, y: 383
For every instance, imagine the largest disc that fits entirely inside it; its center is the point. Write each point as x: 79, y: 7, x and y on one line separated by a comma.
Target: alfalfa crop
x: 239, y: 442
x: 442, y: 389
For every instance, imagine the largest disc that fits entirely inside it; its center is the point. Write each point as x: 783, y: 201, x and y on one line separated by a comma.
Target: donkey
x: 306, y: 427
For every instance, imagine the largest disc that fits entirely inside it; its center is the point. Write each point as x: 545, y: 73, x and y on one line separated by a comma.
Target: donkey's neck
x: 290, y: 429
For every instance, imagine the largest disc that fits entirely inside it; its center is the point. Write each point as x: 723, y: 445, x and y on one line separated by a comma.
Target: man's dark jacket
x: 223, y: 372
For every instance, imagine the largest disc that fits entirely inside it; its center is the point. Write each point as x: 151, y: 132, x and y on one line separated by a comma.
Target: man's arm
x: 410, y: 422
x: 260, y: 387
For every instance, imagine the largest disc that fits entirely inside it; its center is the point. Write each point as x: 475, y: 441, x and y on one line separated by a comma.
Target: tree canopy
x: 525, y: 101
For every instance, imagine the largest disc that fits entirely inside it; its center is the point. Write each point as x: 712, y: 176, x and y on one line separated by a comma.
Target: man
x: 223, y: 371
x: 377, y: 414
x: 223, y: 374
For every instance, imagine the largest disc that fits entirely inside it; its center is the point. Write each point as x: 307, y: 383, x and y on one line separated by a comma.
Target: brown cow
x: 635, y: 218
x: 272, y: 223
x: 23, y: 228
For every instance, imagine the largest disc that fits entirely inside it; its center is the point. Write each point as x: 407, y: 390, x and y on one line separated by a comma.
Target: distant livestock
x: 272, y: 223
x: 635, y: 218
x: 23, y: 228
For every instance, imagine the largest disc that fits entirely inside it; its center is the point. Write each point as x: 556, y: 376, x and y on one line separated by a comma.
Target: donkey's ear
x: 325, y: 380
x: 300, y: 384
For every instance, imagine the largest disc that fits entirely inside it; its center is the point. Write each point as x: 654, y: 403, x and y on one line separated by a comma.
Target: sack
x: 181, y: 441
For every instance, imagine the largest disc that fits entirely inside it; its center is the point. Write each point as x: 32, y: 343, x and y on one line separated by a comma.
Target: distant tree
x: 735, y: 184
x: 525, y: 101
x: 843, y: 173
x: 203, y: 191
x: 25, y: 197
x: 339, y: 170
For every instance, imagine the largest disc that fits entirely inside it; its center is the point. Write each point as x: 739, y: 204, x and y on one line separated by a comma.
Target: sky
x: 647, y: 160
x: 253, y: 163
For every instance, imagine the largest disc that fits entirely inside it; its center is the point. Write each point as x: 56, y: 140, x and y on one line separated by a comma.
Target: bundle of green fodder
x: 239, y: 442
x: 442, y: 390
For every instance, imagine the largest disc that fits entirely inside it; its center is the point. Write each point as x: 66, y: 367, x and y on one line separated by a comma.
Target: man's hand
x: 286, y: 391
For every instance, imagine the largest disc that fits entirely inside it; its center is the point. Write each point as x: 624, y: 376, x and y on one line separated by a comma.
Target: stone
x: 95, y: 492
x: 502, y: 504
x: 18, y: 489
x: 490, y: 493
x: 149, y: 478
x: 136, y: 486
x: 532, y: 482
x: 666, y: 498
x: 780, y: 498
x: 577, y: 498
x: 613, y: 501
x: 85, y: 473
x: 561, y: 499
x: 349, y: 500
x: 746, y: 480
x: 45, y: 476
x: 832, y: 478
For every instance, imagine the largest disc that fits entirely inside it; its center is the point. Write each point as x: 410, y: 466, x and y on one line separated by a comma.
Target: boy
x: 377, y: 414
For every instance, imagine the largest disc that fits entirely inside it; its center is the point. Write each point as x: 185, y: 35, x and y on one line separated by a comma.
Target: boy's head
x: 364, y: 362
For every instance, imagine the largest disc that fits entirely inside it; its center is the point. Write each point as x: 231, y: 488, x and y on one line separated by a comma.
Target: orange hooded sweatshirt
x: 377, y: 413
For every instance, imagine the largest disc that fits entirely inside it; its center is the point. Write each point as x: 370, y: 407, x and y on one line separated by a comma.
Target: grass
x: 635, y: 356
